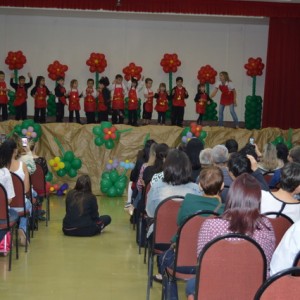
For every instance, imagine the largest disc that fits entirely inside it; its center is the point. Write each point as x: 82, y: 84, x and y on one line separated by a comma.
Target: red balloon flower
x: 196, y: 129
x: 207, y: 74
x: 132, y: 71
x: 110, y: 133
x: 254, y: 66
x: 97, y: 62
x: 56, y: 69
x: 170, y: 63
x: 15, y: 60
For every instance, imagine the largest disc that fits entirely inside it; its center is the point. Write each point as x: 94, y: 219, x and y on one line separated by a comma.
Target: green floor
x: 56, y: 267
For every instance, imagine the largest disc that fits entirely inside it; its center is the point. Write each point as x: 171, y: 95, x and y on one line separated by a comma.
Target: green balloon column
x: 170, y: 64
x: 207, y: 75
x: 51, y: 106
x: 253, y: 105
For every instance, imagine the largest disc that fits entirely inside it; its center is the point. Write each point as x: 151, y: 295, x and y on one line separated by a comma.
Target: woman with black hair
x: 82, y: 216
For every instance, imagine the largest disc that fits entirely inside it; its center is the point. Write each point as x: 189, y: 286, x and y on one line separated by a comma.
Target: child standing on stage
x: 3, y: 96
x: 161, y: 106
x: 148, y: 104
x: 133, y: 101
x: 60, y: 99
x: 20, y: 101
x: 74, y: 104
x: 90, y: 95
x: 179, y: 93
x: 118, y: 90
x: 201, y: 99
x: 40, y: 93
x: 228, y: 97
x: 103, y: 99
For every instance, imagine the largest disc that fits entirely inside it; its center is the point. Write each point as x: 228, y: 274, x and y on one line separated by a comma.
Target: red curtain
x: 282, y: 86
x: 217, y: 7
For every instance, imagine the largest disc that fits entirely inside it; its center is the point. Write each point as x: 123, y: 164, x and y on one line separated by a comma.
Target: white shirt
x: 6, y: 181
x: 113, y: 86
x: 287, y: 249
x: 270, y: 203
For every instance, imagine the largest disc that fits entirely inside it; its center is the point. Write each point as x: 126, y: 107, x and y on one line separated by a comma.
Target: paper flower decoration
x: 132, y: 70
x: 254, y: 67
x: 97, y: 62
x: 207, y: 74
x: 28, y: 129
x: 56, y: 164
x: 56, y: 69
x: 170, y: 63
x: 15, y: 60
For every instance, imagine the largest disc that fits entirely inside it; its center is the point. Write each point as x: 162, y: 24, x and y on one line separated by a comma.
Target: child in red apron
x: 60, y: 99
x: 40, y: 93
x: 118, y: 90
x: 201, y: 99
x: 3, y: 96
x: 161, y: 103
x: 103, y: 99
x: 74, y: 101
x: 179, y: 94
x: 20, y: 101
x: 148, y: 103
x: 90, y: 104
x: 228, y: 97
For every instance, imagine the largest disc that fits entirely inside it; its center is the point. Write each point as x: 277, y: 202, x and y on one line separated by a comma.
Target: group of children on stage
x: 110, y: 99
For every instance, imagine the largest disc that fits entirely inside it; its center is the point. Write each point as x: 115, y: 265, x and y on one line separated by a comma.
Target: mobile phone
x: 24, y: 142
x: 251, y: 141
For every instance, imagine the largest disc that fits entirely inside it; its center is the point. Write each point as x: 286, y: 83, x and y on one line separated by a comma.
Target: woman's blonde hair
x: 226, y: 76
x: 152, y: 155
x: 269, y: 159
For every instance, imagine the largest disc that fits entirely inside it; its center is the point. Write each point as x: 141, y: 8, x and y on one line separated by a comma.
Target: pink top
x: 212, y: 228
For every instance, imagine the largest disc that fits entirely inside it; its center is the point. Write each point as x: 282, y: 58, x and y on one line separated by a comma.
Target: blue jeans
x: 190, y: 287
x: 232, y: 112
x: 23, y: 220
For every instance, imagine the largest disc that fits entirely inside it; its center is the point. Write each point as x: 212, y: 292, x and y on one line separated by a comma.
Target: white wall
x: 224, y: 45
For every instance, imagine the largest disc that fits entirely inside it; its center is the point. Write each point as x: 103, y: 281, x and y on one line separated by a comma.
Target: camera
x: 24, y: 142
x: 251, y: 141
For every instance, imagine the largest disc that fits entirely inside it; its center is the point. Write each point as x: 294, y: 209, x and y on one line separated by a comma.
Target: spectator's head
x: 232, y: 145
x: 161, y: 152
x: 193, y: 149
x: 238, y: 164
x: 282, y: 152
x: 290, y: 178
x: 242, y: 205
x: 269, y: 160
x: 146, y: 149
x: 152, y: 154
x: 294, y: 154
x: 211, y: 180
x: 7, y: 149
x: 83, y: 184
x: 177, y: 168
x: 205, y: 158
x: 250, y: 150
x: 220, y: 155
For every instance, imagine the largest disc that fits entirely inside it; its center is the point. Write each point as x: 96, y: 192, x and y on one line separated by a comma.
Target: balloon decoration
x: 97, y: 64
x: 288, y: 142
x: 29, y: 129
x: 253, y: 104
x: 113, y: 182
x: 207, y: 75
x: 51, y: 106
x: 15, y: 61
x: 56, y: 69
x: 170, y: 64
x: 49, y: 176
x: 56, y: 164
x: 56, y: 189
x: 132, y: 70
x: 194, y: 131
x: 107, y: 134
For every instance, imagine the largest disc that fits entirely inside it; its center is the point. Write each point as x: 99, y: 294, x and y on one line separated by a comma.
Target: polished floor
x: 57, y: 267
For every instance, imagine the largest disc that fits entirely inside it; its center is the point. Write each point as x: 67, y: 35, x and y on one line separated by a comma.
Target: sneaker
x: 127, y: 204
x: 22, y: 237
x: 157, y: 278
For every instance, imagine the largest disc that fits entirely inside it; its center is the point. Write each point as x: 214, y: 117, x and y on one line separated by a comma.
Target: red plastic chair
x: 282, y: 285
x: 232, y: 266
x: 6, y: 224
x: 38, y: 182
x: 165, y: 226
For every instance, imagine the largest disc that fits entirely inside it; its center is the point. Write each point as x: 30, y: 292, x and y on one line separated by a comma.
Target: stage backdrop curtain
x: 282, y: 84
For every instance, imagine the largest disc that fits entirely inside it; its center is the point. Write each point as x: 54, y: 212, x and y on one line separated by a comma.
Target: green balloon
x: 120, y: 185
x: 61, y: 172
x: 105, y: 124
x: 203, y: 134
x: 49, y: 176
x: 113, y: 175
x: 104, y: 189
x: 120, y: 192
x: 72, y: 173
x: 99, y: 141
x: 289, y: 145
x: 105, y: 175
x: 97, y: 130
x: 106, y: 183
x: 109, y: 144
x: 18, y: 129
x: 185, y: 131
x: 76, y: 164
x: 67, y: 165
x: 69, y: 156
x: 112, y: 192
x: 278, y: 140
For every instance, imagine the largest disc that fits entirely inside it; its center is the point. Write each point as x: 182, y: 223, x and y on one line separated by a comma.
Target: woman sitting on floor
x: 82, y: 216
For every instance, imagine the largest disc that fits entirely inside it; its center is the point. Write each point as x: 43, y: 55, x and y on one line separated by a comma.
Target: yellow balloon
x: 56, y: 159
x: 110, y: 161
x: 56, y: 168
x: 51, y: 162
x: 51, y: 189
x: 61, y: 165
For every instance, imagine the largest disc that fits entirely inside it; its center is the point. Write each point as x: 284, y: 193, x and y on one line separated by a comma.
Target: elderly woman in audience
x: 205, y: 158
x: 241, y: 215
x: 284, y: 200
x: 269, y: 161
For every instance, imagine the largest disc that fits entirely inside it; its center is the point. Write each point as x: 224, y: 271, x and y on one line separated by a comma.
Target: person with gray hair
x: 205, y: 157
